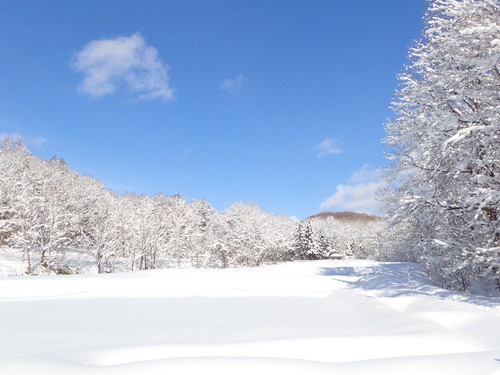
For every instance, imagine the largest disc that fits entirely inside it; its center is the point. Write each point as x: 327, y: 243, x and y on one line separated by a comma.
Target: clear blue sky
x: 281, y: 103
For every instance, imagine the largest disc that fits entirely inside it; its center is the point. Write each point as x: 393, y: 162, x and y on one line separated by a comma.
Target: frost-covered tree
x: 176, y: 221
x: 169, y: 219
x: 19, y: 200
x: 444, y: 206
x: 11, y: 159
x: 145, y: 231
x: 331, y: 236
x: 307, y: 243
x: 347, y: 236
x: 57, y: 217
x: 99, y: 232
x: 278, y: 236
x: 36, y: 205
x: 243, y: 241
x: 200, y: 232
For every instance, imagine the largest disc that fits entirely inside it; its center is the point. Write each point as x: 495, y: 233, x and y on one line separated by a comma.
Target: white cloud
x: 36, y: 141
x: 14, y: 136
x: 364, y: 174
x: 361, y: 195
x: 232, y: 86
x: 327, y: 147
x: 126, y: 61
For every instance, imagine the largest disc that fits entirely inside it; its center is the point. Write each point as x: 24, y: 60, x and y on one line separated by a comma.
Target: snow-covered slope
x: 325, y: 317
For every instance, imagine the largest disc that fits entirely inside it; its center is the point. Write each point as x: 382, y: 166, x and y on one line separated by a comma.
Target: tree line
x: 53, y: 215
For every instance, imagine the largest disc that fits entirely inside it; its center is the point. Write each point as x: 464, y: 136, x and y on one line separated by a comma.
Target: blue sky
x: 280, y: 103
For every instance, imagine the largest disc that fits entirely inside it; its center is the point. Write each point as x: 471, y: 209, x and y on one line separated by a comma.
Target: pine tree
x: 306, y: 244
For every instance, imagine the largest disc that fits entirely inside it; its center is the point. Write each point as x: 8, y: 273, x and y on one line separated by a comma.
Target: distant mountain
x: 346, y: 216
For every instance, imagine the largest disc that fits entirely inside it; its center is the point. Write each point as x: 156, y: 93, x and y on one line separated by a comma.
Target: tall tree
x: 19, y: 205
x: 99, y: 230
x: 445, y: 175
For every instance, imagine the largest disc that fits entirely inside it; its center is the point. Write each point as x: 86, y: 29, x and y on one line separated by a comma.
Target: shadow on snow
x: 401, y: 279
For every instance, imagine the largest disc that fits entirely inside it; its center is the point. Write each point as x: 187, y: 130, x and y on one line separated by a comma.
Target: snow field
x: 324, y: 317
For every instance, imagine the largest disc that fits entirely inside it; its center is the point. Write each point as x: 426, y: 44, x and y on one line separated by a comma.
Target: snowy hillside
x: 323, y: 317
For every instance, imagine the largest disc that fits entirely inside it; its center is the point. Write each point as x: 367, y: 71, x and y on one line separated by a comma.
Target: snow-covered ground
x: 325, y: 317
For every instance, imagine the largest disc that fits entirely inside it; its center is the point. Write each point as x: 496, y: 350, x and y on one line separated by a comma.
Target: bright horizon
x: 279, y: 104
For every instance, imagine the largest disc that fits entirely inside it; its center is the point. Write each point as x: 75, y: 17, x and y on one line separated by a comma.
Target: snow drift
x: 323, y: 317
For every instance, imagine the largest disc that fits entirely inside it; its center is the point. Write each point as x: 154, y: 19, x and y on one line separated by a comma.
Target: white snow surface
x: 322, y: 317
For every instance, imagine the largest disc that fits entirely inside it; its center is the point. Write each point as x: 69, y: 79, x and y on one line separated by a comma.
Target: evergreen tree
x: 306, y: 244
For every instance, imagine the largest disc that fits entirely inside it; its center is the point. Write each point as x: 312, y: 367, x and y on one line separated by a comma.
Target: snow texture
x: 321, y: 317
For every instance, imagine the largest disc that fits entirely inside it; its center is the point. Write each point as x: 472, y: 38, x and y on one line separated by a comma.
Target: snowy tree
x: 241, y: 237
x: 244, y: 240
x: 37, y: 201
x: 57, y: 218
x: 200, y: 232
x: 330, y: 236
x: 307, y: 244
x: 169, y: 217
x: 347, y: 235
x: 177, y: 226
x: 12, y: 156
x: 145, y: 231
x: 278, y: 236
x: 97, y: 223
x: 19, y: 205
x: 444, y: 139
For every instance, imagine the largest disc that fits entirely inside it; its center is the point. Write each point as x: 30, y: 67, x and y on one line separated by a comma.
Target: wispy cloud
x: 327, y: 147
x: 361, y: 194
x: 14, y: 136
x: 233, y: 86
x: 124, y: 62
x: 35, y: 141
x: 365, y: 174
